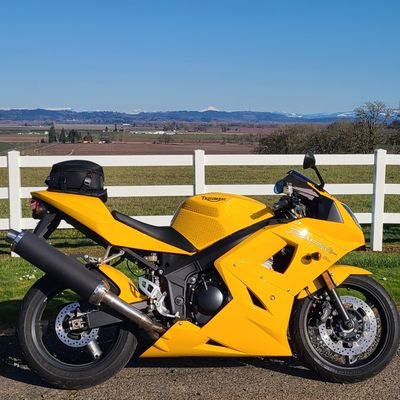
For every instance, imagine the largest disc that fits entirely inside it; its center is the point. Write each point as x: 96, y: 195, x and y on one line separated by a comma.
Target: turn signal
x: 316, y: 256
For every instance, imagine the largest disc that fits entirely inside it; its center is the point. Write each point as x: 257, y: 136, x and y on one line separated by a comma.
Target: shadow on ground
x: 8, y: 313
x: 12, y: 365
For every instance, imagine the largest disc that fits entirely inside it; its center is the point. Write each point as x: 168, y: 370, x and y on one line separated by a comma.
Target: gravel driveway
x: 211, y: 378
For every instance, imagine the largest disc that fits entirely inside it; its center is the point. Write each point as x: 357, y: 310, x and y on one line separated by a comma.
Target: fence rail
x: 199, y: 160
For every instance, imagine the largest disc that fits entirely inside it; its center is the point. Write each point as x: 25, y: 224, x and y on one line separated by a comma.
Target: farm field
x: 121, y: 136
x: 130, y: 148
x: 130, y: 144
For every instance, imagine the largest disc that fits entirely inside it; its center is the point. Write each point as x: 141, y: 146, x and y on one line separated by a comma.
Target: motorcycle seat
x: 165, y: 234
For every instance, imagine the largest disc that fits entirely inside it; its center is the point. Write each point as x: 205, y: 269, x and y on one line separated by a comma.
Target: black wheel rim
x: 48, y: 342
x: 351, y: 350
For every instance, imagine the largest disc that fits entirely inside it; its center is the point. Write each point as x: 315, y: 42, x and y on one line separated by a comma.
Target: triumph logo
x: 213, y: 199
x: 304, y: 234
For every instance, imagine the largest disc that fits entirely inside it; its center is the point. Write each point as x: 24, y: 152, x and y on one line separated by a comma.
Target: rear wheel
x: 59, y: 348
x: 341, y: 354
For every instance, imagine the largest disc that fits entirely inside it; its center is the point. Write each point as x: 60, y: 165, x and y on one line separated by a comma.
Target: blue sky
x: 293, y: 56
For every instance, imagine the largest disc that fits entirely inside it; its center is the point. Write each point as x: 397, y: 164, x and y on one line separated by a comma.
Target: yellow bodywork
x: 128, y: 290
x: 93, y: 213
x: 255, y: 321
x: 204, y: 219
x: 338, y: 273
x: 243, y: 328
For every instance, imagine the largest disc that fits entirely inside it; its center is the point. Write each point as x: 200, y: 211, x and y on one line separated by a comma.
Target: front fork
x: 337, y: 302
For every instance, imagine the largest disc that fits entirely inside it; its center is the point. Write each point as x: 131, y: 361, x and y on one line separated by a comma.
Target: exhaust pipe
x: 75, y: 276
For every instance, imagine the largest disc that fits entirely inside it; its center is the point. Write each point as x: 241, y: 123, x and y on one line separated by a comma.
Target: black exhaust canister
x: 57, y: 265
x: 77, y: 277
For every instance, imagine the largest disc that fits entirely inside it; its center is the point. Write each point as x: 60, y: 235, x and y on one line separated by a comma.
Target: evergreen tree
x: 71, y: 135
x: 63, y: 136
x: 52, y: 134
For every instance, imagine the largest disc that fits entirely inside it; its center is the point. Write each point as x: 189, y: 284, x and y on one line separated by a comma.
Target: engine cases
x: 206, y: 218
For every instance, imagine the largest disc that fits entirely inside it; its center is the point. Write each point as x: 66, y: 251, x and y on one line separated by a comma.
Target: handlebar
x: 282, y: 204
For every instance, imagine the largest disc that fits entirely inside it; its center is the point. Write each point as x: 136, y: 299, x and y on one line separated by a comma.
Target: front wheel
x: 58, y: 349
x: 341, y: 354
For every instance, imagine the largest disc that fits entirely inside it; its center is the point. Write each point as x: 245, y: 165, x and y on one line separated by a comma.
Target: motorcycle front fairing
x: 263, y: 286
x: 264, y: 274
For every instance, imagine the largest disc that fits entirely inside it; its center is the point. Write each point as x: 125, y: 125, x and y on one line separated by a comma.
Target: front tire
x: 347, y: 355
x: 68, y: 360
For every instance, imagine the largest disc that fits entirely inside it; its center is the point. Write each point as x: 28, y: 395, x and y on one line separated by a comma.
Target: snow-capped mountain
x: 207, y: 115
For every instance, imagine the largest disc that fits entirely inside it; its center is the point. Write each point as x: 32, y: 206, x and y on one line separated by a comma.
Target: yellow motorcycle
x: 230, y: 277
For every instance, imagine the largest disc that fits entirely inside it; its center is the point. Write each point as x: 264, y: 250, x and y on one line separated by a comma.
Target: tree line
x: 375, y: 126
x: 73, y: 136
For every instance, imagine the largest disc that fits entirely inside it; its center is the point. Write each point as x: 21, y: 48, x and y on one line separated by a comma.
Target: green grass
x: 385, y: 267
x: 15, y: 273
x: 270, y: 174
x: 17, y: 276
x: 214, y: 175
x: 5, y: 147
x: 145, y: 206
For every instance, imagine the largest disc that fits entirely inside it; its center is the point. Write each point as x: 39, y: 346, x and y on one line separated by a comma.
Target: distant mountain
x: 209, y: 115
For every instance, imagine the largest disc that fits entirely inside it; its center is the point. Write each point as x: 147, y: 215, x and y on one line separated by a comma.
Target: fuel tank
x: 206, y: 218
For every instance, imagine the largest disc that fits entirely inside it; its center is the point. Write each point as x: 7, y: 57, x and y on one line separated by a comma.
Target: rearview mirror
x: 279, y: 186
x: 309, y: 160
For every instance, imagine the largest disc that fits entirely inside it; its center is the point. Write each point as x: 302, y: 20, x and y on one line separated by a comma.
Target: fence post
x: 378, y: 200
x: 14, y: 185
x: 199, y: 172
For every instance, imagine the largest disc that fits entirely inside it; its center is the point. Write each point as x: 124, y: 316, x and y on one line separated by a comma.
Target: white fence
x: 378, y: 188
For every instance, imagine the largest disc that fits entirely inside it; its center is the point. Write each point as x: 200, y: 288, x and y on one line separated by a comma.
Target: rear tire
x: 56, y: 362
x: 342, y: 355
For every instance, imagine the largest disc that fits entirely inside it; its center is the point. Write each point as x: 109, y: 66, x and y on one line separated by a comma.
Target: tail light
x: 38, y: 209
